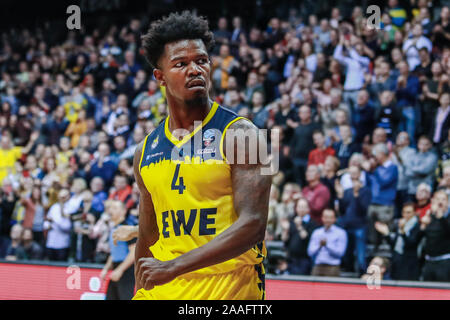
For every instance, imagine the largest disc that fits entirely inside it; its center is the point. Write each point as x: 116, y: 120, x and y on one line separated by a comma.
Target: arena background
x: 51, y: 280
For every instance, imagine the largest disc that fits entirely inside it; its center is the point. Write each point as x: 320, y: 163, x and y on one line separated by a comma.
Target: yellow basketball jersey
x: 190, y: 184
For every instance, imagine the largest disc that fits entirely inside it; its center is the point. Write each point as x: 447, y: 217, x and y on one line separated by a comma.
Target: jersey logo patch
x: 208, y: 137
x: 155, y: 143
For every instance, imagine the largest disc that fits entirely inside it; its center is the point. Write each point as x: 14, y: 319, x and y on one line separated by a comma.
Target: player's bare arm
x: 250, y: 198
x: 148, y: 229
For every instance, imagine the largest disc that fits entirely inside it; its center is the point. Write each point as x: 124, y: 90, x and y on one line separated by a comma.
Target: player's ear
x: 159, y: 76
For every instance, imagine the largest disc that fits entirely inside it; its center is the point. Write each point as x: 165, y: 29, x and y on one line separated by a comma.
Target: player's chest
x: 192, y: 173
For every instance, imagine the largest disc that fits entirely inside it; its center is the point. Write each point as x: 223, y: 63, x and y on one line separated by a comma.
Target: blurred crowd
x: 362, y: 112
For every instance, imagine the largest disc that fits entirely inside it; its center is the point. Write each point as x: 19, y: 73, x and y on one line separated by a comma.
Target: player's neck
x: 183, y: 115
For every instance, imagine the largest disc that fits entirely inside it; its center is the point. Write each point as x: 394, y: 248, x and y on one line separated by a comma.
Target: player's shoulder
x: 149, y: 137
x: 233, y: 120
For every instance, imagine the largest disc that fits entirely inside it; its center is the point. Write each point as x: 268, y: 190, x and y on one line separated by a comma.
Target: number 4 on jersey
x: 180, y: 187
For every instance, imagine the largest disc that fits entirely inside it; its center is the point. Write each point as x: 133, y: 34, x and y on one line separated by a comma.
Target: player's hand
x: 151, y: 272
x: 123, y: 233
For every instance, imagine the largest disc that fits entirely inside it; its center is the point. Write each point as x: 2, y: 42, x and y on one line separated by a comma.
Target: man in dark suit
x: 404, y: 240
x: 296, y: 233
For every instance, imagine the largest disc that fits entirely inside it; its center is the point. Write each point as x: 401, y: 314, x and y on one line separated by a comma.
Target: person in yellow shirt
x: 65, y: 151
x: 9, y: 153
x: 222, y: 67
x: 77, y: 128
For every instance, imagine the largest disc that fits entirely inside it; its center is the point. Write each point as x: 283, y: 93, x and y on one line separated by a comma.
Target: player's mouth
x: 196, y: 84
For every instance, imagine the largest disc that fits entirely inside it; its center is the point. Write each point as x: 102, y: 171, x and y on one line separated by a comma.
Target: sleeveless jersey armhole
x: 143, y: 151
x: 223, y: 136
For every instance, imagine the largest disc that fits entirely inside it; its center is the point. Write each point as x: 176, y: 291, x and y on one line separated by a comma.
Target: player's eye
x: 180, y: 64
x: 202, y: 61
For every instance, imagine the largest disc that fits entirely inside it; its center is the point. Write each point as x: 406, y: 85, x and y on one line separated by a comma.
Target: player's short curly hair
x: 174, y: 27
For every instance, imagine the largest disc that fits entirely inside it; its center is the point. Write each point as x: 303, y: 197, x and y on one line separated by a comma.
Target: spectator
x: 356, y: 64
x: 423, y: 200
x: 431, y: 92
x: 318, y: 155
x: 401, y: 154
x: 383, y: 80
x: 316, y: 193
x: 137, y: 137
x: 397, y: 14
x: 296, y: 233
x: 54, y: 127
x: 29, y: 249
x: 383, y: 177
x: 77, y: 128
x: 9, y: 153
x: 301, y: 143
x: 434, y: 227
x: 103, y: 166
x: 222, y: 68
x: 7, y: 203
x: 441, y: 123
x: 363, y: 116
x: 119, y: 149
x: 404, y: 241
x: 440, y: 31
x: 412, y: 46
x: 221, y: 34
x: 34, y: 214
x: 260, y: 113
x: 121, y: 190
x: 346, y: 147
x: 353, y: 205
x: 421, y: 167
x: 407, y: 91
x: 346, y: 181
x: 423, y: 70
x: 378, y: 268
x: 251, y: 86
x: 100, y: 232
x: 387, y: 115
x: 329, y: 177
x: 16, y: 238
x: 291, y: 192
x: 233, y: 101
x: 58, y: 226
x: 121, y: 260
x: 83, y: 222
x: 327, y: 246
x: 77, y: 195
x: 444, y: 184
x: 99, y: 195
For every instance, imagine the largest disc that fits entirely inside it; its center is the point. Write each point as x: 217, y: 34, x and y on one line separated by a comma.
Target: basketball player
x: 202, y: 215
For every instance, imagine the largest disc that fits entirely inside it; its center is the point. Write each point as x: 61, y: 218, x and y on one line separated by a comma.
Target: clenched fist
x: 151, y: 272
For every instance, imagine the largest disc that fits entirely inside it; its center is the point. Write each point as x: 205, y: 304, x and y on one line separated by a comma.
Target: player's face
x: 185, y: 71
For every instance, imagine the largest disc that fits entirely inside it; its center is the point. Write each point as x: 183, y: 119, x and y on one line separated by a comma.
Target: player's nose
x: 194, y: 69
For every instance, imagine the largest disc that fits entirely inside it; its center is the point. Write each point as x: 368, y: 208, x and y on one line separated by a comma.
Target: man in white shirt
x: 356, y: 66
x: 412, y: 46
x: 59, y: 225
